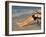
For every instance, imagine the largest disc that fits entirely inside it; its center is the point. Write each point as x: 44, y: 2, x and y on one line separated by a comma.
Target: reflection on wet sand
x: 25, y: 22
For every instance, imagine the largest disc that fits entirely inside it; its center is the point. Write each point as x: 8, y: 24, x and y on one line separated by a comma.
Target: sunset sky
x: 20, y: 10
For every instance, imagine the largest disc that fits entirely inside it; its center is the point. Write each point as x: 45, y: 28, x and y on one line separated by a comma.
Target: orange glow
x: 25, y: 22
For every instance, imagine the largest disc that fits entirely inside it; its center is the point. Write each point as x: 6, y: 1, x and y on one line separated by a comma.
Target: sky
x: 20, y: 10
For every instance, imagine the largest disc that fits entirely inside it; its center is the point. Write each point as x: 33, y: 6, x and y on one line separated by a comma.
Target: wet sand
x: 15, y: 27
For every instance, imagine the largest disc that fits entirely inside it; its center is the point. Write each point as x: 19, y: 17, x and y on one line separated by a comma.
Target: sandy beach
x: 15, y: 27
